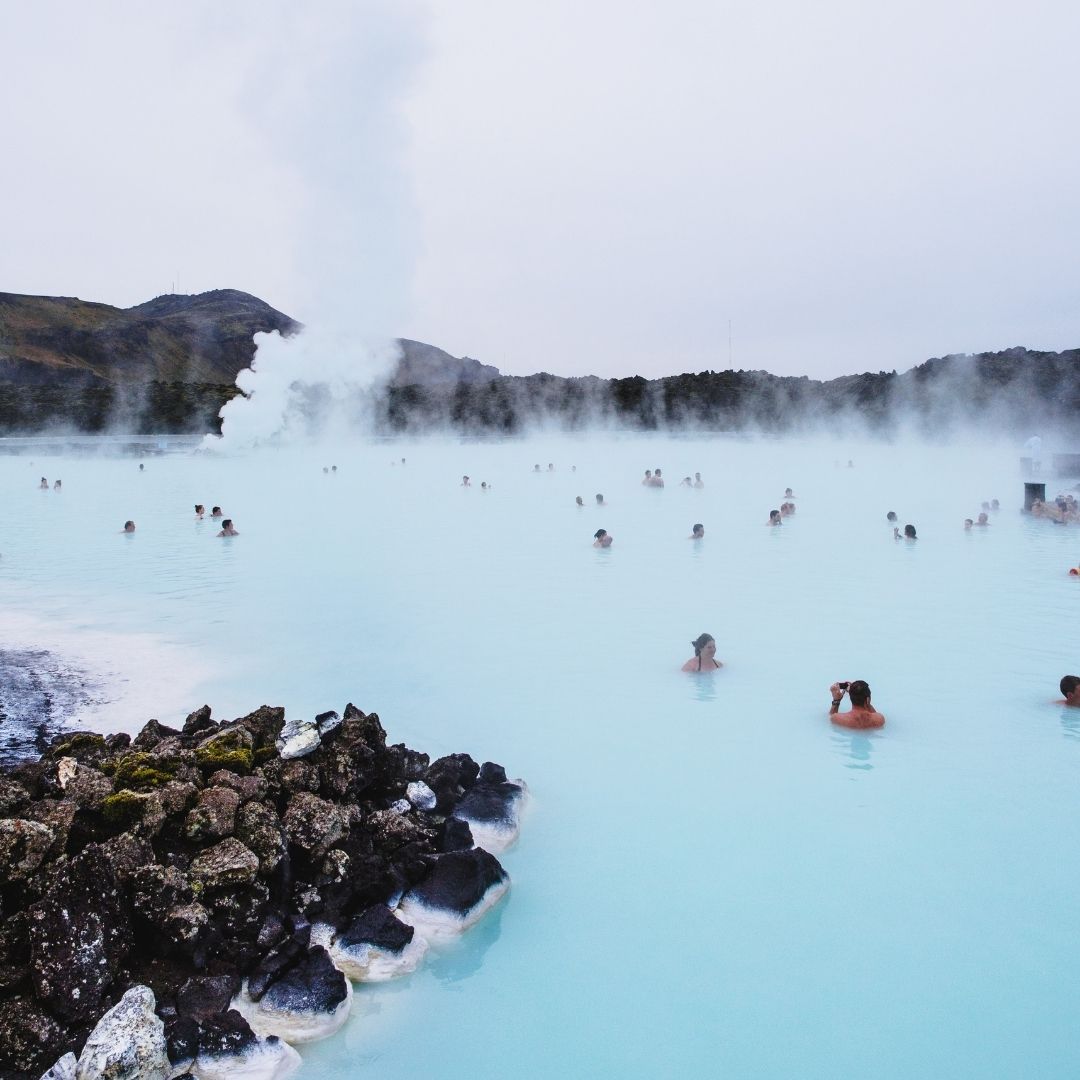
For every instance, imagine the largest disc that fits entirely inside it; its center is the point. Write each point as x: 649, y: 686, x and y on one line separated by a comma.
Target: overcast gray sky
x: 582, y: 188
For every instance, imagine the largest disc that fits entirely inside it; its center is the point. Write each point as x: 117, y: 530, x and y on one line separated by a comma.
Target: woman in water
x: 704, y: 658
x: 908, y: 534
x: 602, y: 538
x: 774, y: 518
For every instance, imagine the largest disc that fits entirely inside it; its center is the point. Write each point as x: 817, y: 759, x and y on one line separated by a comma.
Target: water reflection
x: 463, y: 958
x: 856, y: 746
x: 1070, y: 722
x: 703, y: 686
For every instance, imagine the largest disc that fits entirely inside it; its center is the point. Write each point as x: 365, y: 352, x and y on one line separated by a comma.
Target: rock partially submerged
x: 492, y: 808
x: 158, y: 894
x: 461, y: 887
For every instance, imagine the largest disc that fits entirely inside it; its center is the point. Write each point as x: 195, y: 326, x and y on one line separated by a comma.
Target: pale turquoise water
x: 711, y: 880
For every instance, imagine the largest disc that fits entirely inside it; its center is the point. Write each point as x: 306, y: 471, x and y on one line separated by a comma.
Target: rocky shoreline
x: 196, y: 901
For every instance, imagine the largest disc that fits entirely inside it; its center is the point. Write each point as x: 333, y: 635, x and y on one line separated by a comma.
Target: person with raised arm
x: 861, y: 714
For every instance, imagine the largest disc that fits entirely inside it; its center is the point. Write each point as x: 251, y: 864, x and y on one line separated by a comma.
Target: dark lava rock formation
x: 195, y: 861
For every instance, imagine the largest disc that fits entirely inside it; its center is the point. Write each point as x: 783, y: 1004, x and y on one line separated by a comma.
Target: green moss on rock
x: 124, y: 808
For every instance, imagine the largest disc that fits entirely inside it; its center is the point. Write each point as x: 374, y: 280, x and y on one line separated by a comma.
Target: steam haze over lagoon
x: 584, y: 190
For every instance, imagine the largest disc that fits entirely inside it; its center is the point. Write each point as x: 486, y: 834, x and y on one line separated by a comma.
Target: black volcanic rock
x: 189, y: 861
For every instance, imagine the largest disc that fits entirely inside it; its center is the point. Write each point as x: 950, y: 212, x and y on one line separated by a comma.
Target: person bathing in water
x: 602, y: 538
x: 704, y: 658
x: 698, y: 533
x: 227, y: 528
x: 774, y: 518
x: 861, y: 714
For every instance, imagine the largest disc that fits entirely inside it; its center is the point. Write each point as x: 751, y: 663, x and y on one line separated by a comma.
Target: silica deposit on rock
x: 200, y: 899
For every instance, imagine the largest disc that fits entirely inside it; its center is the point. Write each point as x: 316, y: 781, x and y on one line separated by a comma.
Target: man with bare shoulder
x: 1070, y: 689
x: 862, y: 714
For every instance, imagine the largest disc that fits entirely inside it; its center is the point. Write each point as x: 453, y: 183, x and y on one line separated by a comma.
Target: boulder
x: 79, y: 938
x: 198, y: 721
x: 205, y: 996
x: 460, y: 888
x: 231, y: 748
x: 23, y: 847
x: 260, y: 830
x: 377, y: 946
x: 420, y: 795
x: 30, y: 1038
x: 13, y: 797
x: 327, y: 722
x: 265, y: 725
x: 153, y: 732
x: 225, y: 865
x: 64, y: 1069
x: 492, y: 808
x: 449, y: 777
x: 128, y: 1042
x: 247, y: 787
x: 312, y: 824
x: 298, y: 738
x: 213, y: 817
x: 307, y: 1000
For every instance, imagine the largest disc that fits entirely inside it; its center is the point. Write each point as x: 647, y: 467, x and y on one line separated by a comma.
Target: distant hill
x: 168, y: 365
x: 200, y: 339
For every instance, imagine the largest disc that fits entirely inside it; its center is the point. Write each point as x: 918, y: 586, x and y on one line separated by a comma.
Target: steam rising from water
x: 342, y: 138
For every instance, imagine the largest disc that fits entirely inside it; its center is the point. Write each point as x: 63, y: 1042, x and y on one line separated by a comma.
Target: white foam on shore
x: 264, y: 1061
x: 438, y: 924
x: 369, y: 963
x: 294, y: 1027
x: 496, y: 836
x: 129, y: 677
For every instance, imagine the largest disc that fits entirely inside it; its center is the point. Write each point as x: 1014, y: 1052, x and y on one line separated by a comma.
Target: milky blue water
x: 711, y: 879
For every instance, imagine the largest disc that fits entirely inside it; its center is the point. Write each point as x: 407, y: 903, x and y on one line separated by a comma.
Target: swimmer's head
x: 199, y: 508
x: 1068, y: 684
x: 129, y: 526
x: 994, y: 504
x: 216, y: 511
x: 600, y: 534
x: 859, y: 692
x: 580, y: 501
x: 983, y: 519
x: 891, y: 515
x: 774, y: 515
x: 600, y: 500
x: 699, y: 530
x: 968, y: 523
x: 788, y: 493
x: 909, y: 532
x: 701, y: 641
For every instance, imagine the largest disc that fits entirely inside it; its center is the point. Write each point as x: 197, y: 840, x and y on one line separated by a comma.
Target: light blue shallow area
x: 711, y: 879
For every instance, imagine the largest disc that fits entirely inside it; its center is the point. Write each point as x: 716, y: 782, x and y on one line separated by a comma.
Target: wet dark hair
x: 699, y: 643
x: 891, y: 515
x: 226, y: 523
x: 698, y: 526
x: 127, y: 523
x: 599, y: 533
x: 859, y: 692
x: 909, y: 532
x: 215, y: 510
x: 773, y: 514
x: 198, y: 507
x: 599, y: 498
x: 1068, y: 684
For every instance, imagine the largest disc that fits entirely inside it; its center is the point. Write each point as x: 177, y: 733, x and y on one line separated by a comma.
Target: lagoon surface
x: 711, y: 879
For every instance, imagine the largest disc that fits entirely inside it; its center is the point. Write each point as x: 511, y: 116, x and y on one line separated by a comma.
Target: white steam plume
x: 326, y: 90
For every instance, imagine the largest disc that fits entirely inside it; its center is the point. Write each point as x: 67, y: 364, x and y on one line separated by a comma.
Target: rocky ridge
x: 189, y: 899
